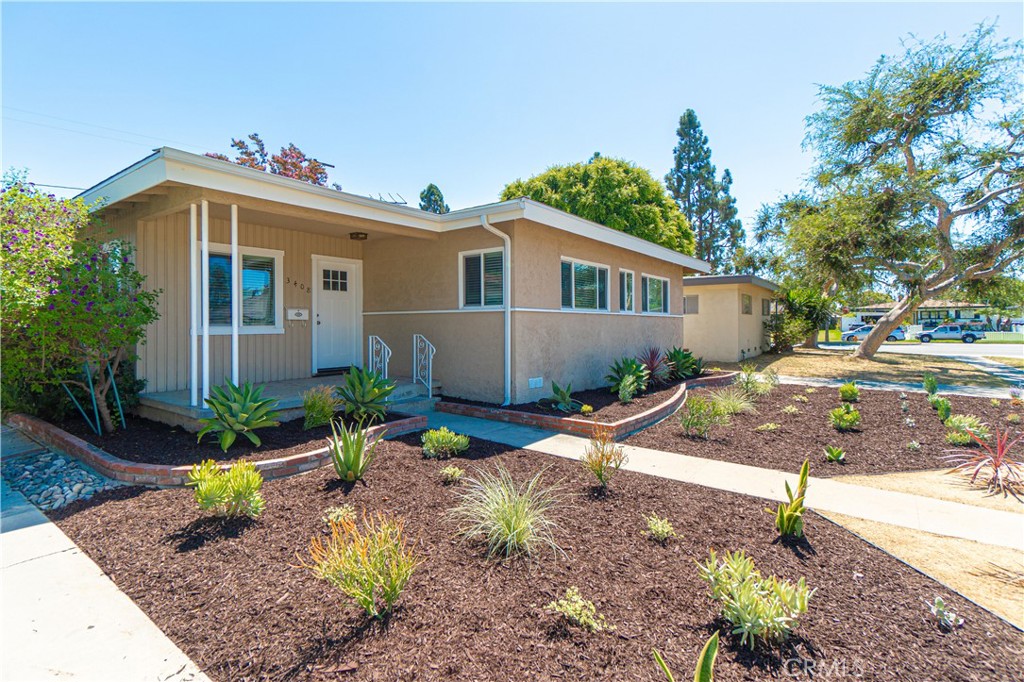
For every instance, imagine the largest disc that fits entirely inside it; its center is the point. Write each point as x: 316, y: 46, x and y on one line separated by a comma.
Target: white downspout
x: 205, y: 230
x: 506, y: 263
x: 236, y: 294
x: 193, y: 308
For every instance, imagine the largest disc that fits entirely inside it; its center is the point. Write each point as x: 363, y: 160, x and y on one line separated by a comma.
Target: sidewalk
x: 993, y: 527
x: 904, y: 387
x: 63, y: 618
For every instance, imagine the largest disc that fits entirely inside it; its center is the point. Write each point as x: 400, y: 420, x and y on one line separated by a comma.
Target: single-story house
x: 269, y: 279
x: 929, y: 314
x: 725, y: 315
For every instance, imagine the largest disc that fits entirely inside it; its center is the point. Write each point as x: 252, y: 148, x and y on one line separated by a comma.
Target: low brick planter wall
x: 579, y: 426
x: 164, y: 475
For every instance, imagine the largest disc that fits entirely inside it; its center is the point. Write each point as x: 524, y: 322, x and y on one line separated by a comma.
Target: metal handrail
x: 423, y: 362
x: 379, y: 354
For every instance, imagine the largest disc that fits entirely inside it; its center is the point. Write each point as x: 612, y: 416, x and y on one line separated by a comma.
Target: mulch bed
x: 230, y: 596
x: 607, y: 407
x: 155, y: 443
x: 878, y: 446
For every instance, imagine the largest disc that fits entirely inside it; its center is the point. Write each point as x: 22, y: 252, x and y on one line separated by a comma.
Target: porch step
x: 410, y: 397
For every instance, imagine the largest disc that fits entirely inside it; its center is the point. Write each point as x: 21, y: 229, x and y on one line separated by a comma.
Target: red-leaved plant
x: 993, y: 461
x: 657, y: 365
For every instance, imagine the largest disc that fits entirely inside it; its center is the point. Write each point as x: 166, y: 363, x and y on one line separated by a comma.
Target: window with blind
x: 626, y: 304
x: 654, y: 294
x: 259, y: 289
x: 482, y: 284
x: 584, y: 286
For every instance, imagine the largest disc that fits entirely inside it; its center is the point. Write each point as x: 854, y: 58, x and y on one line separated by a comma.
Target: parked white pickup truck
x: 951, y: 331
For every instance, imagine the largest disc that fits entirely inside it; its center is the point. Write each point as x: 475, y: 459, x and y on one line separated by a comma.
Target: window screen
x: 584, y: 287
x: 258, y: 290
x: 691, y: 305
x: 654, y: 294
x: 482, y: 279
x: 626, y: 292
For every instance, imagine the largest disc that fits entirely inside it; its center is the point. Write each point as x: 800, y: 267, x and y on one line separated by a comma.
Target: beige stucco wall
x: 720, y: 332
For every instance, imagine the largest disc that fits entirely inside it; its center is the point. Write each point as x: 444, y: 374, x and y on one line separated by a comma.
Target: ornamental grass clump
x: 701, y: 415
x: 755, y: 385
x: 993, y: 463
x: 732, y: 400
x: 351, y: 451
x: 603, y: 457
x: 844, y: 417
x: 849, y: 393
x: 238, y: 410
x: 319, y: 404
x: 371, y: 566
x: 231, y: 493
x: 789, y: 517
x: 509, y: 517
x: 759, y: 609
x: 579, y: 612
x: 659, y: 529
x: 443, y: 443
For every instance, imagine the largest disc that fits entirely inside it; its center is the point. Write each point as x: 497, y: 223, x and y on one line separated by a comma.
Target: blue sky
x: 468, y: 96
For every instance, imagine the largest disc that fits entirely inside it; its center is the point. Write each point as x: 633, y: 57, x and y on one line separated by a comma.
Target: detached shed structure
x: 724, y: 315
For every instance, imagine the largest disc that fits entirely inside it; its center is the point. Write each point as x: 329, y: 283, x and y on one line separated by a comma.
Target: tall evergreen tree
x: 432, y: 200
x: 706, y: 202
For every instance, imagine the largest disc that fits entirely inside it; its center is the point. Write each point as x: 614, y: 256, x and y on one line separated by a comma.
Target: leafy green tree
x: 614, y: 193
x: 432, y: 200
x: 706, y: 202
x: 1002, y: 296
x: 291, y: 162
x: 919, y: 180
x: 68, y: 300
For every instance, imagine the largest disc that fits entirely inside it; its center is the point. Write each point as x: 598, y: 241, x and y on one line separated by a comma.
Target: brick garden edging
x: 578, y: 426
x: 164, y: 475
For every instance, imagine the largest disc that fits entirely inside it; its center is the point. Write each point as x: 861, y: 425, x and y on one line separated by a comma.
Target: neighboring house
x: 928, y: 315
x: 725, y: 315
x: 301, y: 280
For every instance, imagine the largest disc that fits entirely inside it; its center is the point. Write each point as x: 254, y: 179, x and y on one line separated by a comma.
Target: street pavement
x: 964, y: 350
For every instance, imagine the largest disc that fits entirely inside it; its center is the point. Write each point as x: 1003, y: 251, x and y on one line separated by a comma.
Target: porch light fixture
x: 357, y: 236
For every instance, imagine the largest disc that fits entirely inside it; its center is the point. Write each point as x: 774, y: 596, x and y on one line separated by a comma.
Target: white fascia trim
x: 498, y: 309
x: 571, y: 311
x: 474, y: 309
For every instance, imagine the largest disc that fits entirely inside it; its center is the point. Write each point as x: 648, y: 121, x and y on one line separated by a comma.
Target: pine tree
x: 432, y: 200
x: 731, y: 226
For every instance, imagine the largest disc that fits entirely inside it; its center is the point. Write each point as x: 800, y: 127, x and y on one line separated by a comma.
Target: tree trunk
x: 874, y: 340
x: 812, y: 339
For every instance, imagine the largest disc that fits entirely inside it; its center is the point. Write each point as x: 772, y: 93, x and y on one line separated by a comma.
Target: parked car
x: 951, y: 331
x: 858, y: 335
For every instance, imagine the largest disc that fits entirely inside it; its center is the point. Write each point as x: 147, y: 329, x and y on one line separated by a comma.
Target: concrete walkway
x: 990, y: 526
x: 903, y: 387
x: 63, y: 618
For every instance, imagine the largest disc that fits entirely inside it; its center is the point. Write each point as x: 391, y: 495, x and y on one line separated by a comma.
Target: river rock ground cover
x: 230, y: 594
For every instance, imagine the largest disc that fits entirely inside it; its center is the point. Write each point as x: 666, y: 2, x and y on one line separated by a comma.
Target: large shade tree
x: 919, y: 179
x: 614, y: 193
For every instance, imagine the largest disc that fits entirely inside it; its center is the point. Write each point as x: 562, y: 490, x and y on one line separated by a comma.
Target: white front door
x: 337, y: 313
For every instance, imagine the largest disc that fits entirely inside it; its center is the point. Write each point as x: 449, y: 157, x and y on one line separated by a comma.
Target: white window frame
x: 686, y: 304
x: 666, y: 291
x: 572, y: 284
x: 462, y: 279
x: 632, y: 279
x: 278, y: 256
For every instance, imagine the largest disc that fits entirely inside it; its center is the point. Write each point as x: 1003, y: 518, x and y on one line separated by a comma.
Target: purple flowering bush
x: 67, y: 298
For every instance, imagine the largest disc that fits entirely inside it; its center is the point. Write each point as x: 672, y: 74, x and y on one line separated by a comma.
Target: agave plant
x: 994, y: 461
x: 365, y: 394
x: 659, y: 369
x: 561, y: 399
x: 682, y: 362
x: 626, y: 367
x: 238, y: 411
x: 351, y: 451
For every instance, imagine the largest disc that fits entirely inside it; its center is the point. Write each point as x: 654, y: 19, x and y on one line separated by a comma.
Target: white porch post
x: 205, y: 227
x: 193, y: 309
x: 236, y: 293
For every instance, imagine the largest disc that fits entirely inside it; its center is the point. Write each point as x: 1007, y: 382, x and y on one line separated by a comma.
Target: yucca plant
x: 511, y: 518
x: 238, y: 411
x: 370, y: 566
x: 705, y: 671
x: 351, y: 451
x: 682, y: 363
x: 235, y: 492
x: 789, y: 517
x: 732, y: 400
x: 603, y: 457
x: 364, y: 394
x: 626, y: 367
x: 659, y: 370
x: 994, y: 463
x: 561, y: 399
x: 443, y: 443
x: 834, y: 453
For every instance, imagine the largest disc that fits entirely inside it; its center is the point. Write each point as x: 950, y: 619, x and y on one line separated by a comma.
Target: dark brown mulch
x: 878, y: 446
x: 230, y: 596
x: 155, y: 443
x: 607, y: 407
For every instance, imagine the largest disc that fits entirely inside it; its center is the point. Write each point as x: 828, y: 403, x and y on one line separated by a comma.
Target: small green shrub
x: 801, y: 398
x: 450, y: 475
x: 930, y: 383
x: 947, y: 618
x: 705, y: 671
x: 834, y: 453
x: 659, y: 529
x: 791, y: 409
x: 849, y: 393
x: 235, y: 492
x: 994, y: 402
x: 682, y: 361
x: 443, y: 443
x: 351, y: 451
x: 959, y: 438
x: 943, y: 408
x: 789, y: 517
x: 627, y: 367
x: 770, y: 426
x: 905, y: 408
x: 371, y: 566
x: 910, y: 422
x: 913, y: 446
x: 238, y: 411
x: 810, y: 389
x: 365, y: 394
x: 732, y: 400
x: 586, y: 410
x: 319, y: 403
x: 700, y: 416
x: 510, y: 518
x: 345, y: 512
x: 1013, y: 418
x: 966, y: 424
x: 603, y: 457
x: 844, y: 417
x: 561, y: 399
x: 579, y: 612
x: 765, y: 609
x: 628, y: 389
